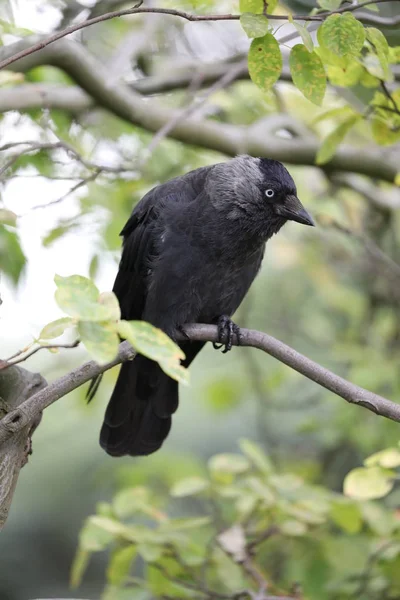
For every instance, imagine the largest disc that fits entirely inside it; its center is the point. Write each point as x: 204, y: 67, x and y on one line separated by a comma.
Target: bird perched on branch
x: 192, y: 247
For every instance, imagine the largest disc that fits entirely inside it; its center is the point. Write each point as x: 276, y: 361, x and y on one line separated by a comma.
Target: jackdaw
x: 191, y: 249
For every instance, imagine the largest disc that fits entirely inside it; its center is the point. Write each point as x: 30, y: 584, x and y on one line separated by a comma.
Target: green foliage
x: 97, y: 317
x: 308, y: 73
x: 265, y: 61
x: 12, y: 258
x: 257, y: 6
x: 257, y: 513
x: 342, y: 34
x: 377, y: 478
x: 328, y: 148
x: 255, y: 26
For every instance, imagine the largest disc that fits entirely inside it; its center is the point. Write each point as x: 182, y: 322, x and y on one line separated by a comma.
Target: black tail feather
x: 138, y: 416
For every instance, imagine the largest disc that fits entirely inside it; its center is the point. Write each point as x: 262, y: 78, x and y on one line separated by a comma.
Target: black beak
x: 293, y: 210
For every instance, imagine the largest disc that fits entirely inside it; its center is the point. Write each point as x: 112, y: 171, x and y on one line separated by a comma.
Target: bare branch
x: 393, y: 22
x: 25, y: 353
x: 28, y: 410
x: 221, y: 137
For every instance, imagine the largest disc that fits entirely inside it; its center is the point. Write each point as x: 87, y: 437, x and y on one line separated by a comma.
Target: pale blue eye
x: 269, y: 193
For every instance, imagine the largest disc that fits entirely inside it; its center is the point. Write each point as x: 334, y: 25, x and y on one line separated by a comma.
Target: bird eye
x: 269, y: 193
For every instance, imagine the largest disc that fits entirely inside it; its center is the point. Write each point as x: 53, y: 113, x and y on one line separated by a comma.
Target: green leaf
x: 308, y: 73
x: 347, y: 516
x: 155, y: 344
x: 254, y: 25
x: 342, y: 34
x: 257, y: 6
x: 120, y: 564
x: 381, y: 47
x: 79, y: 566
x: 385, y: 123
x: 345, y: 76
x: 368, y: 483
x: 293, y: 528
x: 305, y: 36
x: 93, y: 537
x: 389, y: 458
x: 189, y: 487
x: 55, y: 328
x: 265, y: 61
x: 110, y: 301
x: 12, y: 259
x: 100, y: 340
x: 330, y: 144
x: 330, y: 4
x: 8, y: 217
x: 130, y: 500
x: 79, y: 298
x: 228, y: 463
x: 256, y: 455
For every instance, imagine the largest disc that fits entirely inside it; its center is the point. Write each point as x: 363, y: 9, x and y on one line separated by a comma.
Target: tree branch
x: 228, y: 139
x: 16, y: 385
x: 31, y: 408
x: 392, y: 22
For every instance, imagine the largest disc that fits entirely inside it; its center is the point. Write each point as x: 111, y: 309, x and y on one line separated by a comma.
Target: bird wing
x: 142, y: 234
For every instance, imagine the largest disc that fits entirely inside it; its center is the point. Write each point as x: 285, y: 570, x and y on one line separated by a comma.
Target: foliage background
x: 325, y: 292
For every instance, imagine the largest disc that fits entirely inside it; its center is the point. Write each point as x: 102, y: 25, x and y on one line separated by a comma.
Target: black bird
x: 192, y: 247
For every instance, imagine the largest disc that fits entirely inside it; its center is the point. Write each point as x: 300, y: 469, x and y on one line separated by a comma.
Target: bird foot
x: 227, y: 329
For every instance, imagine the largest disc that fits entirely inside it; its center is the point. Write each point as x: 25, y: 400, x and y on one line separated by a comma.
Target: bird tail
x: 139, y: 414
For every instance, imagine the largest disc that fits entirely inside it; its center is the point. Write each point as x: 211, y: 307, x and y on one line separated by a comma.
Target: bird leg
x: 227, y: 329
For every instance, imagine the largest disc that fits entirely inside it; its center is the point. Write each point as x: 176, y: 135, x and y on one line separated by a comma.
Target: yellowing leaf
x: 347, y: 75
x: 110, y: 300
x: 389, y: 458
x: 368, y: 483
x: 254, y: 25
x: 342, y: 34
x: 100, y: 340
x: 308, y: 73
x: 265, y: 61
x: 330, y: 144
x: 397, y: 179
x: 55, y: 328
x: 80, y: 298
x: 155, y: 344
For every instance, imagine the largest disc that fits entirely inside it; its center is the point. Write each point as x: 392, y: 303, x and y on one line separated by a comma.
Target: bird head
x: 280, y: 193
x: 259, y: 193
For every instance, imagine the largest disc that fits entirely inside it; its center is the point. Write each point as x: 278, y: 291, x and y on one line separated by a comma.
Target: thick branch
x: 391, y: 22
x: 228, y: 139
x: 28, y: 410
x: 16, y: 385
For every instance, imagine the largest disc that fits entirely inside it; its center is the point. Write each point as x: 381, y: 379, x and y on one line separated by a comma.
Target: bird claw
x: 227, y: 329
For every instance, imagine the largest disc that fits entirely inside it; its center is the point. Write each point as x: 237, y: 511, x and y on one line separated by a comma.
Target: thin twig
x: 74, y: 188
x: 183, y: 15
x: 22, y: 355
x: 190, y: 110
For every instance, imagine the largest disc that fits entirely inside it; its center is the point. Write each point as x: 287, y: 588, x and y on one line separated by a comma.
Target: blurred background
x: 331, y: 292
